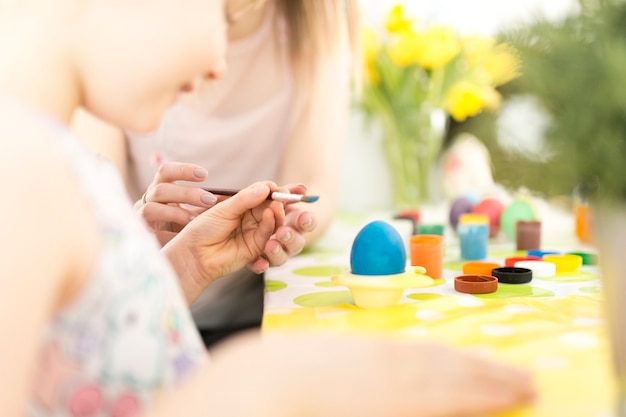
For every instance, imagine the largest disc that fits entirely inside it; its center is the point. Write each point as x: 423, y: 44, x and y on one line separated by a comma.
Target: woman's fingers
x: 179, y: 171
x: 294, y: 188
x: 259, y: 266
x: 167, y: 192
x: 290, y: 239
x: 285, y: 243
x: 300, y: 219
x: 157, y: 213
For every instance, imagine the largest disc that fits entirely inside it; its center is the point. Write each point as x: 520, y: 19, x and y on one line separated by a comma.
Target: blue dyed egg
x: 378, y: 249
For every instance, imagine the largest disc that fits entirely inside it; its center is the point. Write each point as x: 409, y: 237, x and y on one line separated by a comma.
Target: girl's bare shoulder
x: 47, y: 211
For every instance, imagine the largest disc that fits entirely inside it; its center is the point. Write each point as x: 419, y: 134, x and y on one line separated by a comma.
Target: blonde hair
x: 318, y: 28
x: 319, y: 31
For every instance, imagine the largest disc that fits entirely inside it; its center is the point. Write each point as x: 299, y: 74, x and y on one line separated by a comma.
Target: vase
x: 609, y: 226
x: 412, y: 143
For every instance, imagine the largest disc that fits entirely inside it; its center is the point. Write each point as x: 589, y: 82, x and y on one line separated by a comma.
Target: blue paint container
x: 474, y: 239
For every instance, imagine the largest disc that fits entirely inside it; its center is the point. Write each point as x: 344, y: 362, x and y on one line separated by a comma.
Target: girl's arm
x: 328, y: 375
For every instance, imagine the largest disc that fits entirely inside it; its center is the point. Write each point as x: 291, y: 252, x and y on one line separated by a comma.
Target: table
x: 554, y: 327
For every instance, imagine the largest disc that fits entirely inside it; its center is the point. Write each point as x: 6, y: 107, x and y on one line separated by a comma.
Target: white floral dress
x: 128, y: 336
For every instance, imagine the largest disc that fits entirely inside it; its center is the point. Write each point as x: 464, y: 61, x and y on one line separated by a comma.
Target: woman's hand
x: 166, y: 206
x: 289, y: 238
x: 226, y: 238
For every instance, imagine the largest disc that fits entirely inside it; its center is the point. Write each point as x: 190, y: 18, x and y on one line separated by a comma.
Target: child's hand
x: 365, y: 377
x: 226, y: 238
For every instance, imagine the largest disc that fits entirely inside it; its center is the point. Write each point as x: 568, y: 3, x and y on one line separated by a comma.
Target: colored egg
x: 460, y: 206
x: 412, y: 214
x: 492, y: 208
x: 378, y: 249
x: 514, y: 212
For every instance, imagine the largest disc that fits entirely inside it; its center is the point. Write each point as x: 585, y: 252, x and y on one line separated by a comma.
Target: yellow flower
x: 371, y: 75
x: 440, y: 45
x: 503, y: 64
x: 492, y: 98
x: 466, y: 99
x: 369, y: 42
x: 497, y: 63
x: 405, y: 49
x: 440, y: 68
x: 396, y: 21
x: 476, y: 48
x: 371, y: 47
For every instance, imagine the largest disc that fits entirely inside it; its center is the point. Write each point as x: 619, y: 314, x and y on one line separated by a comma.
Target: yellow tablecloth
x: 554, y: 327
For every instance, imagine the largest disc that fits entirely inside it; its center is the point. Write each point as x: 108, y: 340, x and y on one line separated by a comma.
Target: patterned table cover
x: 554, y: 327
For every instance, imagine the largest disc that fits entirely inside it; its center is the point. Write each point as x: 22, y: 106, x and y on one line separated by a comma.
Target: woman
x: 92, y: 312
x: 281, y: 112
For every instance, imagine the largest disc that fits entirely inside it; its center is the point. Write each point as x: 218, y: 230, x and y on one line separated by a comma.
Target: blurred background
x: 365, y: 182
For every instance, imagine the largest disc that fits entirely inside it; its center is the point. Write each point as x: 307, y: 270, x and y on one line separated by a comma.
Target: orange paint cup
x: 479, y: 268
x: 427, y: 251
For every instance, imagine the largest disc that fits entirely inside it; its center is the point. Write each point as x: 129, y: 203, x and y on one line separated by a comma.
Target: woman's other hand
x: 289, y: 239
x: 226, y: 238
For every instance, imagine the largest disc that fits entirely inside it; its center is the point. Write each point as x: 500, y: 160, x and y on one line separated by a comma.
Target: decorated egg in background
x: 412, y: 215
x: 514, y: 212
x: 492, y: 208
x: 460, y: 206
x: 378, y: 249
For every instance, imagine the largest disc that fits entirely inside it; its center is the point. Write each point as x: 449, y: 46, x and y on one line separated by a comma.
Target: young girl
x: 280, y: 113
x: 93, y: 316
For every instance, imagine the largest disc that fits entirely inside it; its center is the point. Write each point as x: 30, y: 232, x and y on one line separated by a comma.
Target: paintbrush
x: 276, y: 196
